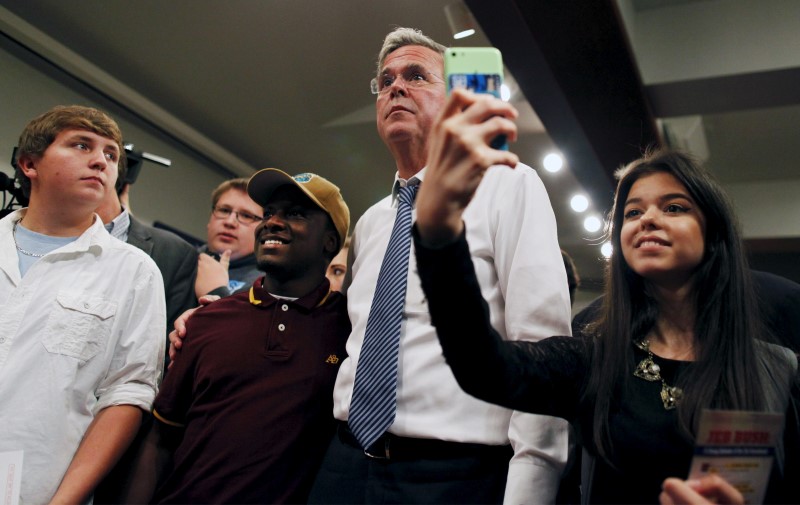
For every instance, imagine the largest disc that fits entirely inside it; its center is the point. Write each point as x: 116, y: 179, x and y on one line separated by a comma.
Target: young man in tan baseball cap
x: 246, y: 407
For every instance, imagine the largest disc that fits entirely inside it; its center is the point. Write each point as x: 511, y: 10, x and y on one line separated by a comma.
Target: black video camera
x: 9, y: 186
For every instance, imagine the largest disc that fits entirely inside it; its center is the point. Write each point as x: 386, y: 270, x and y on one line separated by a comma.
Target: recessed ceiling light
x: 579, y: 203
x: 553, y: 162
x: 592, y: 223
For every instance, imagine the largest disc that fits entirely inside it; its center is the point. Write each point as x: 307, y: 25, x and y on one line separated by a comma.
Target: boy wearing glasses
x: 227, y: 264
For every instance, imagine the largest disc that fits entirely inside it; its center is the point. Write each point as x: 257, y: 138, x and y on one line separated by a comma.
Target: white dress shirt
x: 511, y: 232
x: 82, y: 331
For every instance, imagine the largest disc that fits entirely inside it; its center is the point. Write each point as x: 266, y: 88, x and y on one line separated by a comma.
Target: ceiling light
x: 579, y: 203
x: 553, y: 162
x: 460, y: 20
x: 592, y: 223
x: 606, y: 249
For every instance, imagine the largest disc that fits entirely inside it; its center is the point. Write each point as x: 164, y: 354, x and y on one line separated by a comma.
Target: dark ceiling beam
x: 572, y: 61
x: 714, y: 95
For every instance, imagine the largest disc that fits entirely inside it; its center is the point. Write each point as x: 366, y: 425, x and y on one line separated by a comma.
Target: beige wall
x: 178, y: 195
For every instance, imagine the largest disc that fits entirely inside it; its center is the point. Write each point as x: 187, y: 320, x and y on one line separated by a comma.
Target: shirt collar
x: 94, y: 236
x: 400, y: 183
x: 319, y: 296
x: 118, y: 227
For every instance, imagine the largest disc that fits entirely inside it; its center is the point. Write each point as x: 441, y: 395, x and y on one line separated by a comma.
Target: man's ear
x: 27, y: 164
x: 331, y: 242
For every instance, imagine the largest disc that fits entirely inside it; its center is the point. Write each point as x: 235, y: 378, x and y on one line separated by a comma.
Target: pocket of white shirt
x: 79, y: 325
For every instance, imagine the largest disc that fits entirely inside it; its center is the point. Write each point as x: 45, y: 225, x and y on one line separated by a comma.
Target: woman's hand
x: 711, y: 489
x: 458, y: 156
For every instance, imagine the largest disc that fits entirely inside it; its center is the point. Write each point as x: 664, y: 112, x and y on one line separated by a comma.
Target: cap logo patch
x: 301, y: 178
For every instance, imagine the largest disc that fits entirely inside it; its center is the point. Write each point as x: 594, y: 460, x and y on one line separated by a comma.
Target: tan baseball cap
x: 321, y: 191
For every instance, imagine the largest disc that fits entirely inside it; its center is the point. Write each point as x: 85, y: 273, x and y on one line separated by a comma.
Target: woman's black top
x: 549, y: 377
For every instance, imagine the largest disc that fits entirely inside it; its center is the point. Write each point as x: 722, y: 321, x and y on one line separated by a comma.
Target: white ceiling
x: 257, y: 83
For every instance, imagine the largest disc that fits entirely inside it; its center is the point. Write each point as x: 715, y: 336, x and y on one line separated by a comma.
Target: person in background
x: 779, y: 300
x: 245, y: 411
x: 338, y: 267
x: 678, y: 332
x: 82, y: 315
x: 226, y: 264
x: 441, y: 445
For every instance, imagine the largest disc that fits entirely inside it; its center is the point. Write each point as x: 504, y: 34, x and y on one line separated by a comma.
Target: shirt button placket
x: 285, y: 308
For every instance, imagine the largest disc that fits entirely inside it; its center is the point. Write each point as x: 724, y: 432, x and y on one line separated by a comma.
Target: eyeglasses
x: 242, y: 217
x: 413, y: 77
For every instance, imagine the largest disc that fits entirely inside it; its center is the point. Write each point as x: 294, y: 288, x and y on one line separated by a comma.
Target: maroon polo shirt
x: 253, y: 390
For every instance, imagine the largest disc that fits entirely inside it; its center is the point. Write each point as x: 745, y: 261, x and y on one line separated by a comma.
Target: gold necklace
x: 649, y: 370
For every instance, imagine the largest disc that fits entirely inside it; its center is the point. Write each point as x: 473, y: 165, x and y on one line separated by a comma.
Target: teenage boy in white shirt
x: 82, y: 314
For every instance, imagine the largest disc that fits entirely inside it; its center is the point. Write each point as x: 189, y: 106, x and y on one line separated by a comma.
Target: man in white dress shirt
x: 445, y: 446
x: 82, y: 315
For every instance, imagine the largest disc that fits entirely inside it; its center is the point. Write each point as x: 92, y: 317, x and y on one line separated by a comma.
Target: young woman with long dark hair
x: 679, y: 330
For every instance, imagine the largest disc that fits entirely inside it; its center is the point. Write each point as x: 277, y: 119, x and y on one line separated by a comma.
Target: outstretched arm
x: 544, y: 377
x: 533, y: 303
x: 459, y: 156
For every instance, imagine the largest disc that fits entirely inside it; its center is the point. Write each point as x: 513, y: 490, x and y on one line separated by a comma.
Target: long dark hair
x: 723, y: 375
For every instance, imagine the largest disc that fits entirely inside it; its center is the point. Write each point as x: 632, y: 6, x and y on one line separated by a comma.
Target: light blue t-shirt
x: 36, y: 244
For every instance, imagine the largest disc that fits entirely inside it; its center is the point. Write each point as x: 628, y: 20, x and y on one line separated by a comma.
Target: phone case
x: 479, y: 69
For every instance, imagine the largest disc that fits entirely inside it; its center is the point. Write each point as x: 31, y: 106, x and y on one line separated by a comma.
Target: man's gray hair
x: 402, y: 36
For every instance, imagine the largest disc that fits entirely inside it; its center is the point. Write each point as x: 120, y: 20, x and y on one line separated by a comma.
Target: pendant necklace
x: 649, y: 370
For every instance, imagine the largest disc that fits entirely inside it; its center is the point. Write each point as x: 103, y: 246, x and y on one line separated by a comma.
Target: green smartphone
x: 479, y: 69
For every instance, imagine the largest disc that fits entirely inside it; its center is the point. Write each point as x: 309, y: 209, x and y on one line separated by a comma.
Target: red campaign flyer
x: 739, y: 446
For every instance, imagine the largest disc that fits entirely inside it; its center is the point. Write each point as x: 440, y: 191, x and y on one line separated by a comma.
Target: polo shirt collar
x: 319, y: 296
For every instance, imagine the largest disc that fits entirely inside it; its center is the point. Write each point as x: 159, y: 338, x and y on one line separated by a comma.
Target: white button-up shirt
x: 511, y: 230
x: 82, y: 331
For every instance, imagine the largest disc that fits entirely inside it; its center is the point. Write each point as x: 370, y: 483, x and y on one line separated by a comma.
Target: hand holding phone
x: 479, y: 69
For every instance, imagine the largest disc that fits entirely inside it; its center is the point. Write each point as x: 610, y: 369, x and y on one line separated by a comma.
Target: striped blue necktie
x: 374, y: 402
